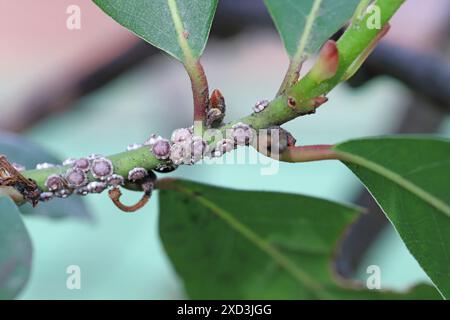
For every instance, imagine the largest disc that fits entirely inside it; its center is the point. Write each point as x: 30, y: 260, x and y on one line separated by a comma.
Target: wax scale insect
x: 10, y: 177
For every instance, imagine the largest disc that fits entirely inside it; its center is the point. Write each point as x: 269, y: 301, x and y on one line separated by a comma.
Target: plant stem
x: 309, y: 153
x: 291, y: 77
x: 356, y: 65
x: 351, y: 45
x: 194, y: 69
x: 122, y: 162
x: 200, y: 93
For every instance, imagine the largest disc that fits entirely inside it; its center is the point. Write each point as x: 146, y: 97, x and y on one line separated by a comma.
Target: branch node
x: 292, y: 103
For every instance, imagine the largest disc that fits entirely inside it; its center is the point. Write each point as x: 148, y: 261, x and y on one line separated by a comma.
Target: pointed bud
x: 217, y: 101
x: 327, y: 63
x: 215, y: 112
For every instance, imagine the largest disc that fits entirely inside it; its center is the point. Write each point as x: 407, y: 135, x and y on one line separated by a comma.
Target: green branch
x: 296, y: 101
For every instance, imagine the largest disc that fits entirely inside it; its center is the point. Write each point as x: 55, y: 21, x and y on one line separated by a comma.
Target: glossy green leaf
x: 20, y: 150
x: 305, y: 25
x: 15, y: 250
x: 179, y: 27
x: 231, y: 244
x: 410, y: 179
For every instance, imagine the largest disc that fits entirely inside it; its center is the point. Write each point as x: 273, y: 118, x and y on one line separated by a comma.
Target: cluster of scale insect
x: 182, y: 148
x: 75, y: 180
x: 186, y: 148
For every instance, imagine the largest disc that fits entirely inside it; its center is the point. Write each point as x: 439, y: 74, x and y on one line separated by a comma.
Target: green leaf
x: 305, y: 25
x: 231, y: 244
x: 410, y: 179
x: 15, y: 250
x: 179, y: 27
x: 20, y: 150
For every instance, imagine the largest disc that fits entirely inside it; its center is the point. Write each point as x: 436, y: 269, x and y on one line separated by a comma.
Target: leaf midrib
x: 309, y: 23
x: 281, y: 259
x: 397, y: 179
x: 179, y: 29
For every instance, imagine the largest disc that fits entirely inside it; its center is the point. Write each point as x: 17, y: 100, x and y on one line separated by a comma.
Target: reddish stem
x: 309, y: 153
x: 200, y: 91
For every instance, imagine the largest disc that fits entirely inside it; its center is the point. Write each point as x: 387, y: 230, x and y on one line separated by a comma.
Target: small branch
x: 200, y: 93
x: 356, y: 65
x: 291, y: 77
x: 350, y: 46
x: 122, y: 163
x: 194, y: 69
x: 309, y: 153
x: 301, y: 99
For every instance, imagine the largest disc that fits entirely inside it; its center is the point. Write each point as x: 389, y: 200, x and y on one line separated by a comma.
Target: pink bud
x: 318, y: 101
